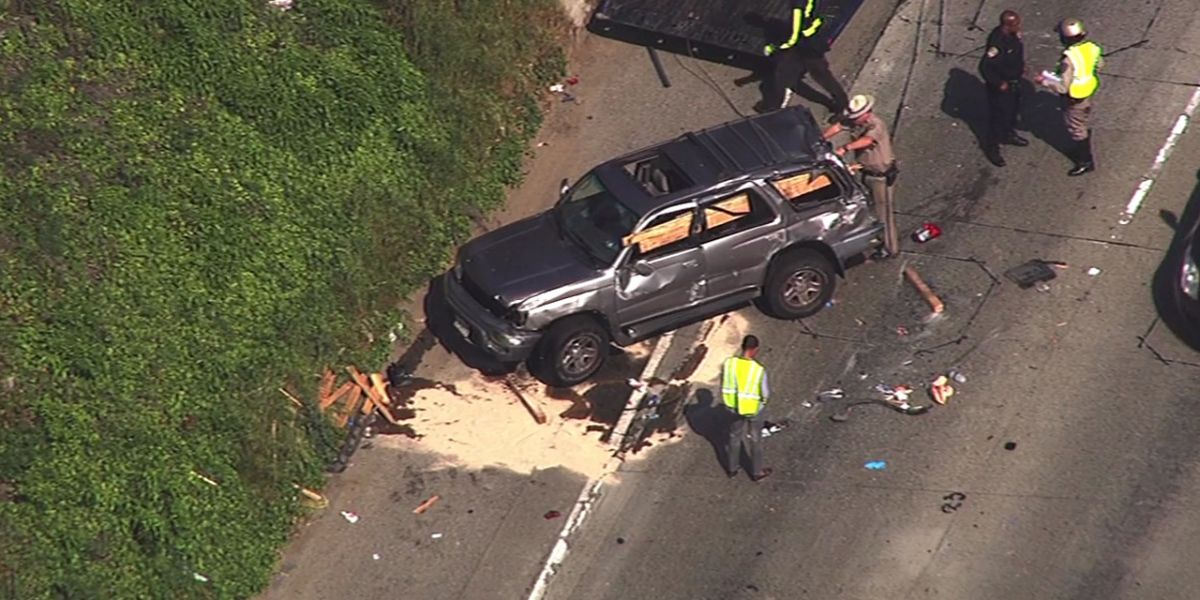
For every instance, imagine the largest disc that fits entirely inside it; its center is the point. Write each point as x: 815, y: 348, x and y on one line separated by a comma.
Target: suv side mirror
x: 563, y: 187
x: 642, y: 268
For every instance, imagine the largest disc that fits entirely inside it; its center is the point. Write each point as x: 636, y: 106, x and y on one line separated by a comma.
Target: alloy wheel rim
x: 580, y: 355
x: 803, y: 288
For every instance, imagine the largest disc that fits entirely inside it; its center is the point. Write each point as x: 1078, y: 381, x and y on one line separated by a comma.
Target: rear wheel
x: 572, y: 350
x: 799, y: 284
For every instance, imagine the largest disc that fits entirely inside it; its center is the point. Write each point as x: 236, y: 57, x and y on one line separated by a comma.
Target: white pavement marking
x: 1147, y: 182
x: 591, y: 490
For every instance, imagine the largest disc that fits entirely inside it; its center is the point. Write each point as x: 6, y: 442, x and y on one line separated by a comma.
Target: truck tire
x: 572, y: 350
x: 799, y: 283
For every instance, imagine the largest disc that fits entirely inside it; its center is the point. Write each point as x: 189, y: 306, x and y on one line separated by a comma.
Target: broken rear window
x: 807, y: 188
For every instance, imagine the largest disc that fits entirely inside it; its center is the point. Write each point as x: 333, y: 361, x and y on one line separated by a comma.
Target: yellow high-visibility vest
x: 1084, y: 57
x: 741, y: 385
x: 799, y: 29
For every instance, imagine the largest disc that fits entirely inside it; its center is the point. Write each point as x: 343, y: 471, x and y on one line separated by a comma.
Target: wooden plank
x: 935, y: 303
x: 337, y: 394
x: 530, y: 405
x: 730, y: 209
x: 380, y: 388
x: 350, y: 406
x: 660, y: 235
x: 294, y: 399
x: 327, y: 381
x: 798, y: 185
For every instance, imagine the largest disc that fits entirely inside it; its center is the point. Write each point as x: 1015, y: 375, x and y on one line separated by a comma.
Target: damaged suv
x: 756, y: 209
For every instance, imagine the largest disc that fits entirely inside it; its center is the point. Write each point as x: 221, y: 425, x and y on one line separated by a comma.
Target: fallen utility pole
x: 935, y: 303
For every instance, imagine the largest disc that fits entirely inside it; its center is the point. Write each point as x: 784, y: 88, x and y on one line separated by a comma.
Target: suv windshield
x: 592, y: 218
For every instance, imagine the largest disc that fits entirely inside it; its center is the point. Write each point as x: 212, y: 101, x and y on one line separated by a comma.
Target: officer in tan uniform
x: 873, y: 144
x: 1076, y: 81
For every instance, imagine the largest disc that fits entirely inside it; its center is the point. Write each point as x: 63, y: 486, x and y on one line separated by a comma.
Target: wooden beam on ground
x: 351, y: 406
x: 380, y: 388
x: 327, y: 381
x: 531, y: 405
x: 935, y: 303
x: 294, y: 399
x: 337, y: 394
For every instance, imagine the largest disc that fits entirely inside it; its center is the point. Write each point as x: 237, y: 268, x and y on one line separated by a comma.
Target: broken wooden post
x: 935, y: 303
x: 530, y: 405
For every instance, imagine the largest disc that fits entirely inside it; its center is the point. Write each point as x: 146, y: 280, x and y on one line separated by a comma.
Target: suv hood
x: 523, y: 259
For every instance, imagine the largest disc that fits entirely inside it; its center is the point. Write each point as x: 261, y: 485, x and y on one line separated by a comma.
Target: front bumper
x: 485, y: 330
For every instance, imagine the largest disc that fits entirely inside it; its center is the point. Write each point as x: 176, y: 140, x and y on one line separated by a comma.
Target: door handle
x: 691, y: 264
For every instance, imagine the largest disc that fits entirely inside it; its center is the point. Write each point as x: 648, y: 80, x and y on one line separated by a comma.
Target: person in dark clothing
x: 803, y: 53
x: 1002, y: 66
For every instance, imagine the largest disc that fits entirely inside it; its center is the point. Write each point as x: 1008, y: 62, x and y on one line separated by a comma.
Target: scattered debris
x: 436, y: 536
x: 901, y: 330
x: 374, y: 557
x: 1042, y: 287
x: 311, y: 498
x: 199, y: 577
x: 424, y: 506
x: 280, y: 4
x: 926, y: 232
x: 770, y: 428
x: 897, y: 397
x: 1031, y: 272
x: 935, y: 303
x: 543, y: 144
x: 551, y: 514
x: 620, y: 540
x: 831, y: 394
x: 1093, y: 271
x: 941, y: 390
x: 957, y: 375
x: 875, y: 465
x: 558, y: 88
x: 806, y: 404
x: 573, y: 80
x: 1010, y: 446
x: 349, y: 516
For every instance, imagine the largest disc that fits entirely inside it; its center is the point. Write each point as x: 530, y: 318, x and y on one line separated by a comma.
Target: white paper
x: 1051, y: 77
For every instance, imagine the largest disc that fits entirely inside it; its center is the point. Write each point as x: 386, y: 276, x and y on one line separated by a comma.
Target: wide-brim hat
x: 860, y: 105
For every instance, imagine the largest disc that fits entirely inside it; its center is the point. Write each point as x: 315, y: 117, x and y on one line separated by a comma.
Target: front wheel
x: 798, y: 285
x: 572, y: 350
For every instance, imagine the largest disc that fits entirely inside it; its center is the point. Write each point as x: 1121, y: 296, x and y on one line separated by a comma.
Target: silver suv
x: 757, y: 209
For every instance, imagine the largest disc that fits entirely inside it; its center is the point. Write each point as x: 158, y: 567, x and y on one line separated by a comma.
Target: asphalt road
x: 1068, y: 457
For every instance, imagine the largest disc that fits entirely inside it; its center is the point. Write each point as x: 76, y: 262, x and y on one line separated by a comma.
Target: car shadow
x: 440, y: 322
x: 1166, y: 277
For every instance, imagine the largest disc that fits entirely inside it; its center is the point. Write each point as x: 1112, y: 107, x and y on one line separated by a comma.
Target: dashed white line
x: 1164, y: 153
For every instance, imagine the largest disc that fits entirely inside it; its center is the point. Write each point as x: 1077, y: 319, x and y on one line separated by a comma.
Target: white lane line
x: 1147, y: 182
x: 591, y: 490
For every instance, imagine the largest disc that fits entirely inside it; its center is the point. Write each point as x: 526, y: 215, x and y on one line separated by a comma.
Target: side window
x: 807, y: 188
x: 731, y: 214
x: 658, y: 175
x: 663, y: 235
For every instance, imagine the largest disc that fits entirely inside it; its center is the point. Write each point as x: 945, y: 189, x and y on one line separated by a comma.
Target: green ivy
x: 201, y: 202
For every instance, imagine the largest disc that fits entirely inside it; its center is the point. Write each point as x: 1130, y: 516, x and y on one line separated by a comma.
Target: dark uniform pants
x: 744, y: 433
x: 789, y: 67
x: 885, y: 209
x: 1003, y: 107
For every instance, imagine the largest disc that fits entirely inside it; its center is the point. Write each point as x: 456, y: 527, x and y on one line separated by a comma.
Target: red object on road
x: 553, y: 514
x: 926, y: 232
x: 572, y: 80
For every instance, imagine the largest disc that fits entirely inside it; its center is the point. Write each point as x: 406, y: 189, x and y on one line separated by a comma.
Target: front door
x: 664, y: 268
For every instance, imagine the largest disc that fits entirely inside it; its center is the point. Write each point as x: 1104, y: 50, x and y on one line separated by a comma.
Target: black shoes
x: 761, y: 476
x: 1081, y: 155
x: 1016, y: 140
x: 993, y: 156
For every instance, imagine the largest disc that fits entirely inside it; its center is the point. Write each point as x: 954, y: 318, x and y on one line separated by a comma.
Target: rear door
x: 740, y: 232
x: 663, y: 268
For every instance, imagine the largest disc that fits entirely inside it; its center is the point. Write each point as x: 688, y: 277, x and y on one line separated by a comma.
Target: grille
x: 476, y: 292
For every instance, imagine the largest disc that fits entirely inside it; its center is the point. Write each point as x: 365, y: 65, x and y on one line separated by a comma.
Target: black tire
x: 799, y: 283
x: 572, y: 350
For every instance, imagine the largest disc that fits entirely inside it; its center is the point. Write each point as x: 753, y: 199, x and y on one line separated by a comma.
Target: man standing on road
x: 802, y: 53
x: 1001, y: 67
x: 1076, y: 81
x: 744, y: 390
x: 870, y: 139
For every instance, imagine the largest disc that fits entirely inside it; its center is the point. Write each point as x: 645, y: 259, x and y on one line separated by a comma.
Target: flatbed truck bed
x: 731, y: 32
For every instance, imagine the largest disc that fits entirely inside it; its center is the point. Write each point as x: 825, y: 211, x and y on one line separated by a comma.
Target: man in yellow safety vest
x: 744, y: 389
x: 802, y: 53
x: 1076, y: 81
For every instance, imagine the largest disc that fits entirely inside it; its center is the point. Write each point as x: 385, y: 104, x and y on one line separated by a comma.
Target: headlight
x: 1189, y: 276
x: 516, y: 316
